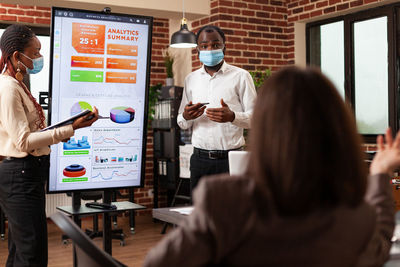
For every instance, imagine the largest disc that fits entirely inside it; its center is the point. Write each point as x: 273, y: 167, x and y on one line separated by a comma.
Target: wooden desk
x: 166, y: 215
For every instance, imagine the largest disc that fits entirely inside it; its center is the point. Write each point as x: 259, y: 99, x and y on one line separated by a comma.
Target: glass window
x: 371, y: 75
x: 358, y: 53
x: 39, y: 82
x: 329, y: 55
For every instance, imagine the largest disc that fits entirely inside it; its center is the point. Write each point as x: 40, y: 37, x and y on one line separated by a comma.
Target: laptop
x: 238, y: 162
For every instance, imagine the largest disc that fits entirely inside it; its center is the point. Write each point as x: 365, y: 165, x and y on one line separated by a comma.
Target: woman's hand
x: 388, y: 157
x: 86, y: 120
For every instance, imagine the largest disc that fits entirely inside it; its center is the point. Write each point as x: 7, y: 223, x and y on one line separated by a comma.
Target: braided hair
x: 16, y: 38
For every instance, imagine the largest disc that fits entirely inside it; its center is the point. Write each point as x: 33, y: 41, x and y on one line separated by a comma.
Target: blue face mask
x: 210, y: 58
x: 37, y: 65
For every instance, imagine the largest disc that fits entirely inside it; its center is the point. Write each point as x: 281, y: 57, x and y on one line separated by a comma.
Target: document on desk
x: 183, y: 210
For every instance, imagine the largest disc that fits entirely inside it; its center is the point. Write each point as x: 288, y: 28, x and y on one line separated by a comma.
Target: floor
x: 147, y: 234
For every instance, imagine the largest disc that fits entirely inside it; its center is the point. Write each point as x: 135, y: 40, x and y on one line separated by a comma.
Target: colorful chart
x: 120, y: 77
x: 122, y: 114
x: 71, y: 144
x: 74, y: 170
x: 88, y: 38
x: 79, y: 107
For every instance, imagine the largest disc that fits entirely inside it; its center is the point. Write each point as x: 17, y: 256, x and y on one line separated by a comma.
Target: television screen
x: 99, y: 59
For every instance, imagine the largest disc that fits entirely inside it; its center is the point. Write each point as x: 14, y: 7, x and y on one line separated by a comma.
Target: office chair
x: 88, y: 254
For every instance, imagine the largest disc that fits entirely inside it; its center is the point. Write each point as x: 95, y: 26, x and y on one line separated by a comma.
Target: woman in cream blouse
x: 24, y: 149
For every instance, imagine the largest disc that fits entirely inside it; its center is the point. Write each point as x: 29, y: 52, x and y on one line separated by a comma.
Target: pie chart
x: 74, y: 170
x: 79, y: 107
x: 122, y: 114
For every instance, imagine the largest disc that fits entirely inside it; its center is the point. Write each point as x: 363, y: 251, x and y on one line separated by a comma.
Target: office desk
x: 166, y: 215
x: 77, y: 213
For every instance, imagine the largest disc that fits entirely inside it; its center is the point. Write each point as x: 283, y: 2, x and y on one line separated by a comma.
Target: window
x: 357, y: 52
x: 38, y: 82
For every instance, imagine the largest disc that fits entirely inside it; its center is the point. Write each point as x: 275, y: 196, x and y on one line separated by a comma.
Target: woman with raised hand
x: 24, y: 149
x: 306, y: 198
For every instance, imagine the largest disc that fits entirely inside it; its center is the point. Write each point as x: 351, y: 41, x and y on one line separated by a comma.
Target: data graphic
x: 71, y: 144
x: 80, y: 106
x: 74, y: 170
x: 122, y: 114
x: 119, y: 173
x: 103, y: 61
x: 117, y: 137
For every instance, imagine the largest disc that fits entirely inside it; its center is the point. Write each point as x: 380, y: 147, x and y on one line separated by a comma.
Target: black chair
x: 88, y: 254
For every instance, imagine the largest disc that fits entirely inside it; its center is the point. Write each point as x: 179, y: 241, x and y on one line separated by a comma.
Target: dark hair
x: 305, y: 150
x: 210, y: 28
x: 17, y: 37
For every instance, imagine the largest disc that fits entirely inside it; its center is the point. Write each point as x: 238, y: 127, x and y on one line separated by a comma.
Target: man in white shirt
x: 224, y: 96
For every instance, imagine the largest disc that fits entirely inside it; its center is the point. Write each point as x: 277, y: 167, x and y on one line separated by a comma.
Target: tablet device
x: 67, y: 120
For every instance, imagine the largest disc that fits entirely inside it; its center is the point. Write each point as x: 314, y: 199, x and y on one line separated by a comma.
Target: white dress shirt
x: 236, y: 87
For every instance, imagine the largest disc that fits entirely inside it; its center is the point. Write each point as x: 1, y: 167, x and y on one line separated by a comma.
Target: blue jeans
x: 22, y: 197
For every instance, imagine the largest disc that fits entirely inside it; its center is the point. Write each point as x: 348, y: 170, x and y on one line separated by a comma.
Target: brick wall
x: 257, y: 36
x: 40, y: 16
x: 260, y: 33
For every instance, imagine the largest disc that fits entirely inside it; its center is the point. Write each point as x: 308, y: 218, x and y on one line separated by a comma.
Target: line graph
x: 117, y: 137
x: 115, y: 173
x: 107, y: 140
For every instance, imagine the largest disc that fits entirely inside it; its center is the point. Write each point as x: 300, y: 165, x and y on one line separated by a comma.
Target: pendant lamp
x: 183, y: 38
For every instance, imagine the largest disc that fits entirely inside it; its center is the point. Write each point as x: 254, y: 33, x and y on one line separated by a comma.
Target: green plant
x: 154, y: 93
x: 260, y: 76
x: 168, y: 62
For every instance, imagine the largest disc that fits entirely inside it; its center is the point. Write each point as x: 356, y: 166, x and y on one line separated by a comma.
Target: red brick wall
x: 256, y: 32
x: 160, y: 41
x: 260, y: 33
x: 40, y: 16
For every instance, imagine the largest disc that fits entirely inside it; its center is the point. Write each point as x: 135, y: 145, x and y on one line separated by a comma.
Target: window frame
x: 390, y: 11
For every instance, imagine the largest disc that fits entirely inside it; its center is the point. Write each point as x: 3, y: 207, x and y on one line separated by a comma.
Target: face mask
x: 210, y: 58
x: 37, y: 64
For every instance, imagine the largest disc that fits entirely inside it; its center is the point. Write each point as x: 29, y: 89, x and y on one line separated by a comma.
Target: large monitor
x: 103, y: 60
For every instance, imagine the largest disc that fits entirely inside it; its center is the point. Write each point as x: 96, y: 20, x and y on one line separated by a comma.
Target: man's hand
x: 222, y: 114
x: 192, y: 112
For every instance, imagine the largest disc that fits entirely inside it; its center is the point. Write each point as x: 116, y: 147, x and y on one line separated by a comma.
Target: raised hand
x: 192, y: 112
x: 222, y: 114
x: 388, y: 157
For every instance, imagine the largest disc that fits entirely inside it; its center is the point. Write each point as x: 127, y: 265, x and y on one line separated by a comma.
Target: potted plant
x: 168, y: 62
x: 154, y: 93
x: 259, y: 77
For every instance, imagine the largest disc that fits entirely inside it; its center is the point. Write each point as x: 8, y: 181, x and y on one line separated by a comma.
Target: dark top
x: 227, y: 228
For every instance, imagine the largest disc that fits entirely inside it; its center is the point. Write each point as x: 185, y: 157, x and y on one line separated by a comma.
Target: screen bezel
x: 145, y: 119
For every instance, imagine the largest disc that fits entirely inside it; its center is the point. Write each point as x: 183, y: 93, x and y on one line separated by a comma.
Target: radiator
x: 55, y: 200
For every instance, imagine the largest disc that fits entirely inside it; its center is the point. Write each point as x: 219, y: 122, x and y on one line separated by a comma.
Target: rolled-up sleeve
x: 247, y: 95
x: 186, y: 98
x: 15, y: 123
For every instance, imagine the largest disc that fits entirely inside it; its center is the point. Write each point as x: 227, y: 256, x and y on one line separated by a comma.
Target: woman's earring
x: 19, y: 75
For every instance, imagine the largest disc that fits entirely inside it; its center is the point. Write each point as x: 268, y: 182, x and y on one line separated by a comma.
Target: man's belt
x: 213, y: 154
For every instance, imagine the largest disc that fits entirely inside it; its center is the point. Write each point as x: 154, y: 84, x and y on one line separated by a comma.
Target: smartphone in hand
x: 202, y: 104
